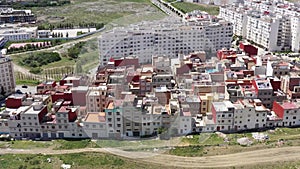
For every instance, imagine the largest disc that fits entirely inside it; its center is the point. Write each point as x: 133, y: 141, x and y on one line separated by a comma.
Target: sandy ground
x: 271, y: 155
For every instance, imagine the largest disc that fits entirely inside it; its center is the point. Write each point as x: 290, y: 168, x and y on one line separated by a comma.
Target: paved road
x: 271, y: 155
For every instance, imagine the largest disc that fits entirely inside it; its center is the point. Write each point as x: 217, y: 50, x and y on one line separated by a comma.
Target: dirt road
x: 270, y: 155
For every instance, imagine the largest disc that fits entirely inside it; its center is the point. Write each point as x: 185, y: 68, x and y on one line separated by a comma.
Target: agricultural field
x: 188, y: 7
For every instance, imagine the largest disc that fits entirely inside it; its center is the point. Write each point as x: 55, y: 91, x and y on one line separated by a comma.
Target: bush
x: 36, y: 70
x: 74, y: 51
x: 40, y: 59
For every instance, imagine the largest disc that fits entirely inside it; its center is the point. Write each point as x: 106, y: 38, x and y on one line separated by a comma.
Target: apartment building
x: 18, y: 34
x: 95, y: 125
x: 223, y: 115
x: 273, y: 25
x: 168, y: 39
x: 96, y: 99
x: 7, y: 80
x: 10, y: 15
x: 250, y: 114
x: 288, y: 112
x: 114, y: 119
x: 291, y: 85
x: 237, y: 16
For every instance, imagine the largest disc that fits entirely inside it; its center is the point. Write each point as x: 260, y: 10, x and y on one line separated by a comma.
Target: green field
x: 188, y: 7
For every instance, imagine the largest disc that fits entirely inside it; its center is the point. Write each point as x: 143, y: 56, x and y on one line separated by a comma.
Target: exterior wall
x: 7, y: 80
x: 79, y: 97
x: 114, y: 120
x: 278, y: 109
x: 164, y: 40
x: 151, y: 123
x: 95, y: 130
x: 13, y: 103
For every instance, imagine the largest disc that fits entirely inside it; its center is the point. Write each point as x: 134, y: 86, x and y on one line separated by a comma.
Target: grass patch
x: 22, y: 144
x: 188, y: 7
x: 77, y: 160
x: 188, y: 151
x: 67, y: 145
x: 27, y: 82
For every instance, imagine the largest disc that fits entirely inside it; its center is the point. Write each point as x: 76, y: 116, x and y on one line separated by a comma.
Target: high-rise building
x: 7, y: 79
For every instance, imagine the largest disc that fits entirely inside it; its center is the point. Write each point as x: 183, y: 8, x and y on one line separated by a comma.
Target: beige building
x: 95, y: 99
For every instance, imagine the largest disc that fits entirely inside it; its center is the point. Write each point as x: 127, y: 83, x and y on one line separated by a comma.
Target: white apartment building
x: 237, y: 16
x: 249, y: 114
x: 166, y: 38
x: 94, y: 125
x: 19, y: 34
x: 7, y: 78
x: 271, y: 24
x: 295, y: 33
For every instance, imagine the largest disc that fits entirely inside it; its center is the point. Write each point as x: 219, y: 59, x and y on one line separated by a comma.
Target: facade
x: 7, y: 80
x: 19, y: 34
x: 168, y: 39
x: 271, y: 24
x: 10, y: 15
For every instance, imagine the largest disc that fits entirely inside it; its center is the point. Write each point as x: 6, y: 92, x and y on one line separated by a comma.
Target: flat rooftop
x: 95, y: 117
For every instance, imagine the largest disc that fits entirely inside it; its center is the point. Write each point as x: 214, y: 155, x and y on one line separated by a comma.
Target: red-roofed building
x: 289, y: 112
x: 227, y: 54
x: 248, y: 48
x: 45, y: 87
x: 127, y: 62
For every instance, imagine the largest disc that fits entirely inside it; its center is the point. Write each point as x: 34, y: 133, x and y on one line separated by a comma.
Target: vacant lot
x: 188, y: 7
x: 76, y: 160
x: 88, y: 11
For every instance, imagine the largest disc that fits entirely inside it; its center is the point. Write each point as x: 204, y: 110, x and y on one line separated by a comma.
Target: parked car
x: 24, y: 86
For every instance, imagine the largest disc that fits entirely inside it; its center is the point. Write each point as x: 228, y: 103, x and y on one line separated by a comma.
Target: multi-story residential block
x: 18, y: 34
x: 291, y: 85
x: 45, y: 87
x: 223, y: 115
x: 96, y: 99
x: 7, y: 80
x: 288, y: 112
x: 250, y: 114
x: 95, y: 126
x: 132, y: 116
x: 114, y: 119
x: 168, y: 39
x: 273, y: 25
x: 10, y: 15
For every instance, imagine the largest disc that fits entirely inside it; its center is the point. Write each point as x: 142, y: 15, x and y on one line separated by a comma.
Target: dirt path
x: 270, y: 155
